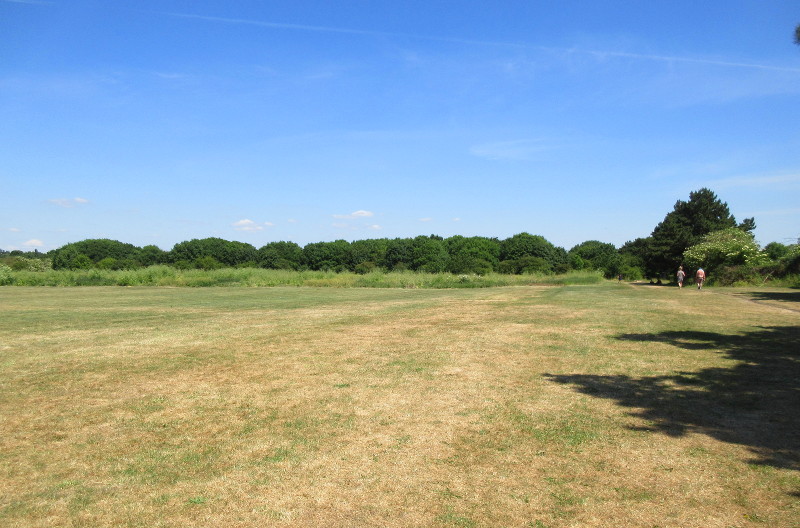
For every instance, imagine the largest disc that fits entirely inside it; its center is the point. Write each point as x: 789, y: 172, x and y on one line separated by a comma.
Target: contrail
x: 598, y: 53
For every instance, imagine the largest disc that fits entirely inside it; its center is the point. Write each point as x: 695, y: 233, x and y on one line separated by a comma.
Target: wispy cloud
x: 426, y: 219
x: 766, y: 181
x: 355, y: 214
x: 603, y: 54
x: 33, y: 243
x: 279, y: 25
x: 693, y: 60
x: 68, y: 202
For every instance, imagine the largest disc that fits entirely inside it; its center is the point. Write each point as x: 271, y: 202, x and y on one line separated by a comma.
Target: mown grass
x: 256, y: 277
x: 541, y: 406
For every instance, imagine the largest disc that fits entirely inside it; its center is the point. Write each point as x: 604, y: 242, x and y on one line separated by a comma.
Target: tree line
x: 697, y: 232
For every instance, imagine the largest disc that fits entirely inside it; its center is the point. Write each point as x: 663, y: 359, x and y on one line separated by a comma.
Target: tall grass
x: 254, y: 277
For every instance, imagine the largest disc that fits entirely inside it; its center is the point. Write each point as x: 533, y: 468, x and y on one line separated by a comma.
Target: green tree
x: 526, y: 245
x: 683, y: 227
x: 369, y: 254
x: 776, y: 250
x: 150, y: 255
x: 479, y: 255
x: 70, y: 258
x: 280, y: 255
x: 207, y: 263
x: 597, y: 255
x: 226, y: 252
x: 108, y: 263
x: 429, y: 254
x: 96, y: 249
x: 328, y: 256
x: 398, y: 254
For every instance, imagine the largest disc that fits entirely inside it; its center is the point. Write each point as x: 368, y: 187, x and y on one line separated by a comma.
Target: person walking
x: 700, y: 278
x: 681, y: 275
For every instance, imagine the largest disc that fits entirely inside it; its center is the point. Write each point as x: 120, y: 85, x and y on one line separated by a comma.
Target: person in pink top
x: 700, y: 278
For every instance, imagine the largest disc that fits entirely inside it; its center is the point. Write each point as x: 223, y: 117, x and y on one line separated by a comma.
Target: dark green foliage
x: 398, y: 254
x: 69, y: 258
x: 428, y: 254
x: 226, y: 252
x: 596, y: 255
x: 207, y: 263
x: 280, y: 255
x: 526, y: 265
x: 327, y: 256
x: 150, y: 255
x: 108, y: 263
x: 791, y: 261
x: 362, y: 268
x: 776, y: 250
x: 522, y: 245
x: 81, y: 261
x: 683, y: 228
x: 182, y: 264
x: 95, y: 250
x: 747, y: 225
x: 478, y: 255
x: 371, y: 251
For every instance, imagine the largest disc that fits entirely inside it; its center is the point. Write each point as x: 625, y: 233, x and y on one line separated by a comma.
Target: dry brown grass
x: 540, y: 407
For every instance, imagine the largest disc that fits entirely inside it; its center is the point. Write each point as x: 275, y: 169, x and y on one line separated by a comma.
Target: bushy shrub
x: 725, y: 248
x: 363, y: 268
x: 27, y: 264
x: 207, y: 263
x: 5, y: 275
x: 108, y: 263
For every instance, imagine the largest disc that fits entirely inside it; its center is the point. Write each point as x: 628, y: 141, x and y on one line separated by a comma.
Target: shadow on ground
x: 783, y: 296
x: 754, y: 403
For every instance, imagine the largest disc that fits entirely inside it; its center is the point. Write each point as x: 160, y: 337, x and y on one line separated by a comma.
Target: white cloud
x: 247, y: 225
x: 33, y: 243
x: 426, y: 219
x: 375, y: 227
x: 14, y: 229
x: 68, y: 202
x: 456, y: 219
x: 355, y: 214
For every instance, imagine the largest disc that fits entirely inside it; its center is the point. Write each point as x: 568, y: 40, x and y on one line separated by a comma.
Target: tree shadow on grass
x: 755, y: 402
x: 792, y: 297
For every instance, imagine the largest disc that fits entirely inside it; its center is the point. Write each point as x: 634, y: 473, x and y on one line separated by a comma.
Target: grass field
x: 537, y: 406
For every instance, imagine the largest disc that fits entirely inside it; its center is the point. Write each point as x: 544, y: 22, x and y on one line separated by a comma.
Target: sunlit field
x: 539, y: 406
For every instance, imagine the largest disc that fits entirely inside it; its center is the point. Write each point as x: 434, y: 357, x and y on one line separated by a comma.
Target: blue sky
x: 155, y: 122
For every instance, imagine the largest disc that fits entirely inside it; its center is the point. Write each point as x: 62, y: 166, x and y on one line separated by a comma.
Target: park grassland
x: 527, y: 406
